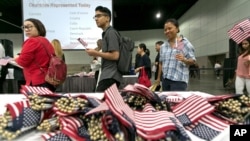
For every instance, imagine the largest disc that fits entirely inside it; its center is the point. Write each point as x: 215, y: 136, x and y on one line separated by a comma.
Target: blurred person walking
x: 110, y: 50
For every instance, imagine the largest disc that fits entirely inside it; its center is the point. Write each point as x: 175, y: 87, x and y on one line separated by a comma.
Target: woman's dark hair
x: 242, y: 50
x: 39, y: 26
x: 104, y: 10
x: 159, y: 42
x: 174, y: 22
x: 144, y: 48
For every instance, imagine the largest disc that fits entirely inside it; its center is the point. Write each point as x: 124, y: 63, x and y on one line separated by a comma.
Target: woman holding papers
x: 34, y: 57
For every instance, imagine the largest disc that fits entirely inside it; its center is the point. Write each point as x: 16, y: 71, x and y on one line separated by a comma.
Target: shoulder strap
x: 47, y: 54
x: 45, y: 48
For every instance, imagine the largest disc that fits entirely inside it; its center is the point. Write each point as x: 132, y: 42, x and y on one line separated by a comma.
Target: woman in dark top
x: 144, y: 60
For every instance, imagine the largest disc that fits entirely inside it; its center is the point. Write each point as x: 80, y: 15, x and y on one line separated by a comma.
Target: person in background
x: 156, y: 64
x: 145, y: 61
x: 110, y: 50
x: 58, y: 49
x: 59, y: 53
x: 34, y: 56
x: 217, y: 68
x: 2, y: 71
x: 243, y: 66
x: 176, y: 54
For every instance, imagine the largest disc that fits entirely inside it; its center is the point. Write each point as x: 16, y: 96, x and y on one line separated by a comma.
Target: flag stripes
x: 240, y: 31
x: 207, y: 127
x: 194, y: 107
x: 149, y: 125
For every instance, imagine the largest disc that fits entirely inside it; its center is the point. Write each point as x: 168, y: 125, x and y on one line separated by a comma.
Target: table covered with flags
x: 133, y: 113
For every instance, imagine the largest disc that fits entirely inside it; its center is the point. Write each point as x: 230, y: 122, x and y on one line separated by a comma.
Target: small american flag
x: 208, y: 127
x: 16, y: 108
x: 149, y: 125
x: 102, y: 107
x: 23, y: 117
x: 141, y: 90
x: 5, y: 61
x: 70, y: 127
x: 27, y: 90
x: 57, y: 136
x: 240, y: 31
x: 172, y: 97
x: 192, y: 109
x: 85, y: 44
x: 148, y: 108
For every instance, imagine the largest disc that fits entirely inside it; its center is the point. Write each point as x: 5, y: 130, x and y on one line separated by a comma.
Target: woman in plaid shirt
x: 176, y: 54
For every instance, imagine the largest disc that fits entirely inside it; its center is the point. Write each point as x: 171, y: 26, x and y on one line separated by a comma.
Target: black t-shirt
x: 146, y: 62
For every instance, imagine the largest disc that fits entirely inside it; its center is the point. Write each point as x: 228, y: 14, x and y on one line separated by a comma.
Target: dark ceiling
x: 128, y: 14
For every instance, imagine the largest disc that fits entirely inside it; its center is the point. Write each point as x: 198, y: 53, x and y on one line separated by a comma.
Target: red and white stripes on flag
x: 16, y: 108
x: 148, y: 108
x: 70, y: 127
x: 27, y: 90
x: 149, y: 125
x: 85, y: 44
x: 140, y: 90
x: 172, y: 97
x: 208, y: 127
x: 240, y: 31
x: 194, y: 107
x: 102, y: 107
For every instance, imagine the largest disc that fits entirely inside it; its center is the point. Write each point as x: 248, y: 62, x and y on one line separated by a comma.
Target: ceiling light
x: 158, y: 15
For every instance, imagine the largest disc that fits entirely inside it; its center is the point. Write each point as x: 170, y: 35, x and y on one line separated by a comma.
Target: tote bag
x: 143, y: 78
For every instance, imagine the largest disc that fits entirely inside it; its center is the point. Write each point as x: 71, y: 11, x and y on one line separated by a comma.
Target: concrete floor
x: 208, y: 83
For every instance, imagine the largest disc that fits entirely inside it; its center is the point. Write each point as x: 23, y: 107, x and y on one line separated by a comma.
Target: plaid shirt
x: 173, y: 69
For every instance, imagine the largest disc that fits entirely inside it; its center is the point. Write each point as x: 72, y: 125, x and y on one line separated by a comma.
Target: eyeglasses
x: 99, y: 15
x: 27, y: 27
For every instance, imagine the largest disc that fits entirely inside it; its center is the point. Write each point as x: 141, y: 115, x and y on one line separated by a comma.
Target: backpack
x: 57, y: 70
x: 126, y: 47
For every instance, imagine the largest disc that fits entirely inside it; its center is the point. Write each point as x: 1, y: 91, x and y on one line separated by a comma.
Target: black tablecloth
x: 87, y: 84
x: 71, y: 84
x: 78, y: 84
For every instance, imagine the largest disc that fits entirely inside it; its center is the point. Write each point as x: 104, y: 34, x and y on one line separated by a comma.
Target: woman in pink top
x: 243, y: 68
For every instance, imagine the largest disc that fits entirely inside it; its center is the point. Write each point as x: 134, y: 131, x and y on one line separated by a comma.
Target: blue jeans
x: 170, y: 85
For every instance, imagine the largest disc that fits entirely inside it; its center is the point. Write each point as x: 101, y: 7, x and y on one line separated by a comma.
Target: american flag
x: 5, y: 61
x: 148, y: 108
x: 208, y: 127
x: 240, y: 31
x: 57, y: 136
x: 16, y: 108
x: 102, y: 107
x: 192, y: 109
x: 149, y: 125
x: 141, y: 90
x: 172, y: 97
x: 179, y: 45
x: 23, y: 117
x: 85, y: 44
x: 183, y: 136
x: 27, y: 90
x: 70, y: 127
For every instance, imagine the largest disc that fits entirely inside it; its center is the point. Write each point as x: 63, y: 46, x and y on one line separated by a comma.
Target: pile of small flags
x: 132, y: 114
